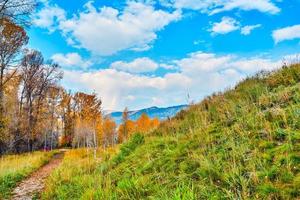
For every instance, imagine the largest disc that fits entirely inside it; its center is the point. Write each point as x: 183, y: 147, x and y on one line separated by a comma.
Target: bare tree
x: 17, y: 11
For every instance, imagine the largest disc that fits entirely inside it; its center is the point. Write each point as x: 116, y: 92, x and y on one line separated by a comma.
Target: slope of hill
x: 240, y: 144
x: 152, y: 112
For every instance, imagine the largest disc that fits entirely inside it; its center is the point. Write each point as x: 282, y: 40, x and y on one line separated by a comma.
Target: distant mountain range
x: 152, y: 112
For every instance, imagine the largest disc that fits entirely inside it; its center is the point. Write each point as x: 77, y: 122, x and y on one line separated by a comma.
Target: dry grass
x: 14, y: 168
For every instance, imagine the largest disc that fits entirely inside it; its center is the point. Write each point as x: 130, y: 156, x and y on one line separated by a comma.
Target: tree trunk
x: 45, y: 143
x: 51, y: 141
x: 2, y: 125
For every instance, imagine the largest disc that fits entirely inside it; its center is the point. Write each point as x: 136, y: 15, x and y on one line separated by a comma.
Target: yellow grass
x: 14, y: 168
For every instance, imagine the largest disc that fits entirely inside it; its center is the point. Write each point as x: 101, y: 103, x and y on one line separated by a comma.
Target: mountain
x: 152, y: 112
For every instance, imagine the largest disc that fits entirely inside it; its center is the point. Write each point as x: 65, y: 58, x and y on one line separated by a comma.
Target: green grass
x: 14, y: 168
x: 240, y: 144
x: 75, y: 176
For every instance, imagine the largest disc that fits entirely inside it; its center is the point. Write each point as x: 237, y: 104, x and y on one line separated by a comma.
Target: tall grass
x: 240, y: 144
x: 77, y: 176
x: 14, y: 168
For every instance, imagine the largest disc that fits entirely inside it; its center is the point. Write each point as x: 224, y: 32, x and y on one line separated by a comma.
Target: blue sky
x: 164, y: 52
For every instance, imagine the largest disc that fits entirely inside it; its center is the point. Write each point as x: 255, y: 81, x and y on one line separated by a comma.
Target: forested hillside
x: 240, y: 144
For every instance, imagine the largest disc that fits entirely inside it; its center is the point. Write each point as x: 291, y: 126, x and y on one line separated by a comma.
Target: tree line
x: 142, y: 125
x: 36, y: 112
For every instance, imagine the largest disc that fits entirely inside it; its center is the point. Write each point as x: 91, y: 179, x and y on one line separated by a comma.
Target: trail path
x: 35, y: 183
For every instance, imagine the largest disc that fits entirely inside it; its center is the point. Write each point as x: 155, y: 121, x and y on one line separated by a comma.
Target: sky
x: 143, y: 53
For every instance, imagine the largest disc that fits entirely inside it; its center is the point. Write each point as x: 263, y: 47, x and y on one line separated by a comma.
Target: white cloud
x: 49, y: 17
x: 226, y: 25
x: 216, y: 6
x: 200, y: 62
x: 199, y: 74
x: 168, y: 66
x: 287, y: 33
x: 246, y: 30
x: 202, y: 5
x: 139, y: 65
x: 71, y: 60
x: 265, y: 6
x: 108, y: 30
x: 115, y: 87
x: 250, y: 66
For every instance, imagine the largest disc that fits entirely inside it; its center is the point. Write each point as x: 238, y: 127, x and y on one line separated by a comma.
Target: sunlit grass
x: 240, y: 144
x: 14, y: 168
x: 77, y: 176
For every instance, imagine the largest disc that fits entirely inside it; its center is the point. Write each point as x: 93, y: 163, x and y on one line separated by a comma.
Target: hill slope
x: 241, y: 144
x: 152, y: 112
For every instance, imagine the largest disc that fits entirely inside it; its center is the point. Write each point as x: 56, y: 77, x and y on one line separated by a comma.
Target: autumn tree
x: 51, y: 116
x: 155, y: 123
x: 88, y: 116
x: 68, y: 118
x: 125, y: 118
x: 109, y: 131
x: 143, y: 123
x: 37, y: 78
x: 12, y: 38
x: 130, y: 127
x: 11, y: 103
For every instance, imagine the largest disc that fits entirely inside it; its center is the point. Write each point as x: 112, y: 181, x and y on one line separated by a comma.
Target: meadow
x: 14, y: 168
x: 243, y: 143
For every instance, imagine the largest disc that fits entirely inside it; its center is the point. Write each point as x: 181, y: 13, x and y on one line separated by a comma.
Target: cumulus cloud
x: 246, y: 30
x: 49, y: 17
x: 198, y: 74
x: 287, y: 33
x: 226, y: 25
x: 199, y: 62
x: 114, y: 87
x: 139, y: 65
x: 71, y: 60
x: 216, y: 6
x: 107, y: 31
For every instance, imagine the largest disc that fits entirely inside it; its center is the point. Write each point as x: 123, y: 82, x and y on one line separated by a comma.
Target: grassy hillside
x: 240, y: 144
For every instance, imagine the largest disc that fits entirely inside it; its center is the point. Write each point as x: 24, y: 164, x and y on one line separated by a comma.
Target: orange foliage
x: 109, y: 130
x: 143, y: 125
x: 155, y: 123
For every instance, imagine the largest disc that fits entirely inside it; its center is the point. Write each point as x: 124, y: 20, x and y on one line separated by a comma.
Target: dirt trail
x: 35, y: 183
